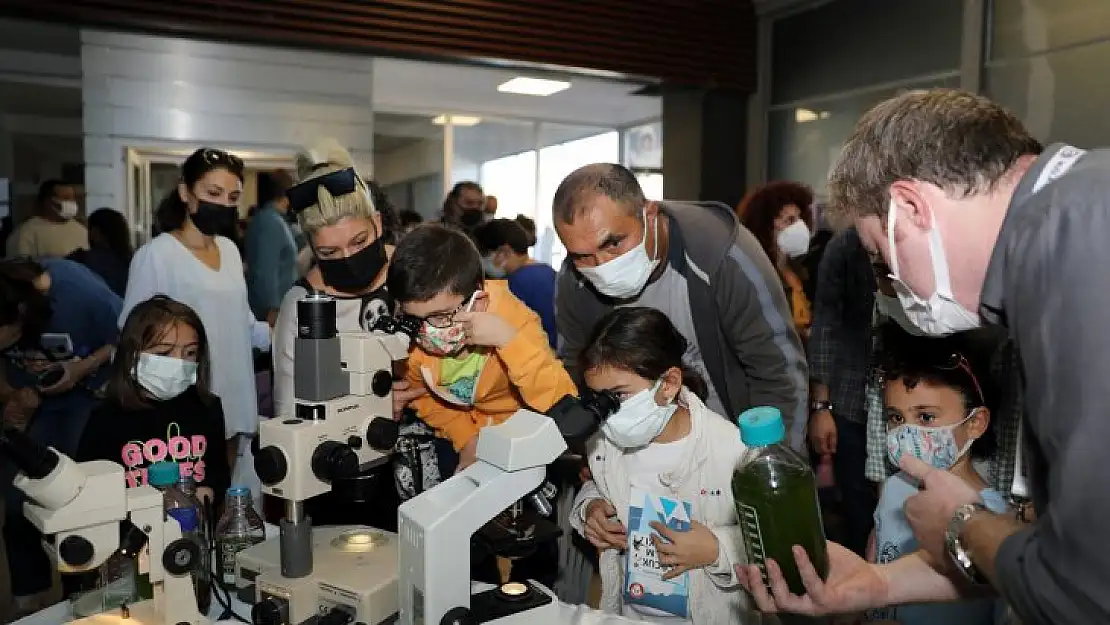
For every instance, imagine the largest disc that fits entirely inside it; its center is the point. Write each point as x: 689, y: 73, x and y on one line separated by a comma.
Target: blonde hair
x: 324, y: 157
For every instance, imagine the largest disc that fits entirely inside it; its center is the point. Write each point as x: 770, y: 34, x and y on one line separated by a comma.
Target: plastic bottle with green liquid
x: 776, y: 499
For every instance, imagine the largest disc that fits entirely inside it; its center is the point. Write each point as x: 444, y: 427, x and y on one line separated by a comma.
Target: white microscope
x: 86, y: 513
x: 342, y: 425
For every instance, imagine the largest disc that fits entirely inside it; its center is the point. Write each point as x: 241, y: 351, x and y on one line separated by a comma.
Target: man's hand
x: 403, y: 393
x: 601, y: 530
x: 930, y: 510
x: 73, y: 371
x: 683, y: 551
x: 852, y: 585
x: 20, y: 407
x: 822, y: 432
x: 486, y: 329
x: 468, y: 455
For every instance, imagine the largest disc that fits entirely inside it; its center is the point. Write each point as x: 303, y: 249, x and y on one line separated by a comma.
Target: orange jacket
x: 525, y: 373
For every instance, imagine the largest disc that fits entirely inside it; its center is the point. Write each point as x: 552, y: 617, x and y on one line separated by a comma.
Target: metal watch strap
x: 819, y: 405
x: 956, y: 549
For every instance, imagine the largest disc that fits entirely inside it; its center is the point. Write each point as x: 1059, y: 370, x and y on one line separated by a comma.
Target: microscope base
x: 354, y: 571
x: 141, y: 613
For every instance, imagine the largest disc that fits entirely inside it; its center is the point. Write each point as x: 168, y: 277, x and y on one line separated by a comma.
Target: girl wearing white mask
x: 157, y: 404
x: 662, y: 455
x: 780, y: 215
x: 936, y: 411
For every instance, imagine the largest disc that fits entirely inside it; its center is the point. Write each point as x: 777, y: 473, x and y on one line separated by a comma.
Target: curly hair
x: 762, y: 205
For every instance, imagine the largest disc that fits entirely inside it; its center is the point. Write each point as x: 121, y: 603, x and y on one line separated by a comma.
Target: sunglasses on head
x: 212, y: 156
x: 306, y: 194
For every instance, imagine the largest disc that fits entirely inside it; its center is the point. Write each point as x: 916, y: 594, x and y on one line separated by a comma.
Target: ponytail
x: 694, y: 382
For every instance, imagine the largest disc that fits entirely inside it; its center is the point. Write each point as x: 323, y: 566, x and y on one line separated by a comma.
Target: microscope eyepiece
x: 397, y: 324
x: 602, y: 404
x: 316, y: 317
x: 30, y: 457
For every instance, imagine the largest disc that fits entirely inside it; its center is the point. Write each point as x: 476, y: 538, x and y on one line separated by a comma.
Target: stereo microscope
x: 86, y: 514
x: 342, y: 425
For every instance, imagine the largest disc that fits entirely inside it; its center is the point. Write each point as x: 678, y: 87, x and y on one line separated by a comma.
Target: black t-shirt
x: 187, y: 429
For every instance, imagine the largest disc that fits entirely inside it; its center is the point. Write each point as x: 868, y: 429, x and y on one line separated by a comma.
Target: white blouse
x: 219, y: 296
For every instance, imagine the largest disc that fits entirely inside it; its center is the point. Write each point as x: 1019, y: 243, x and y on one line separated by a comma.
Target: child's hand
x: 403, y: 393
x: 682, y: 551
x: 486, y: 329
x: 468, y: 455
x: 603, y: 532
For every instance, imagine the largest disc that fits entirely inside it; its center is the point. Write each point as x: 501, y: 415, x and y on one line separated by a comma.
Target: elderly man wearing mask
x: 978, y: 222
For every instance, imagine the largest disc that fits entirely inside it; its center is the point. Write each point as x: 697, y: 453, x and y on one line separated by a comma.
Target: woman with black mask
x: 343, y: 228
x: 194, y: 264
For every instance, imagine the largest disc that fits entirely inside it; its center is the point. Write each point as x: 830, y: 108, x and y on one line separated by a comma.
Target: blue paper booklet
x: 644, y: 587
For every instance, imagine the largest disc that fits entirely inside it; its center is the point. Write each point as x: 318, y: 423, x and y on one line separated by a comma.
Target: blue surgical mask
x: 165, y: 377
x: 639, y: 420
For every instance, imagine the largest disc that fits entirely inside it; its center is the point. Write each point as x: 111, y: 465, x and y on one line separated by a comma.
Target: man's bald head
x: 577, y: 192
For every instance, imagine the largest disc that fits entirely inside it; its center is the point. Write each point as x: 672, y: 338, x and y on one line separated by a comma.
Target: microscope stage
x: 354, y: 569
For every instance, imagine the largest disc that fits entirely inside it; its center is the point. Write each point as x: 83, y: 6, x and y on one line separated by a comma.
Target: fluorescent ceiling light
x: 533, y: 86
x: 457, y: 120
x: 806, y: 115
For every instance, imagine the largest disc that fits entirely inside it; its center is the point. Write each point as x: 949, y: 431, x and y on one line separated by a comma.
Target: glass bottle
x: 776, y: 498
x: 239, y: 528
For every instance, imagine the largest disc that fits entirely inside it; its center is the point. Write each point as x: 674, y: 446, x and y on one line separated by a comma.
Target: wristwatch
x: 956, y: 549
x: 819, y: 405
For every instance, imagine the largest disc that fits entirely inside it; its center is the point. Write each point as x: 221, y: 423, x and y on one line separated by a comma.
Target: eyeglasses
x: 305, y: 194
x: 446, y: 319
x: 212, y: 156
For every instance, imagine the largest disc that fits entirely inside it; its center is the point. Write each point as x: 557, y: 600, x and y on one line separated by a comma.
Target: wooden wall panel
x: 690, y: 42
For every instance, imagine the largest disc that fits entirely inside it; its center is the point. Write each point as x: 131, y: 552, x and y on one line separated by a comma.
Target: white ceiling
x: 404, y: 86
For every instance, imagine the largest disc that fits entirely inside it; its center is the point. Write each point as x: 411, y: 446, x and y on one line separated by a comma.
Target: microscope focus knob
x: 458, y: 616
x: 76, y: 551
x: 334, y: 461
x: 271, y: 465
x: 382, y: 433
x: 270, y: 611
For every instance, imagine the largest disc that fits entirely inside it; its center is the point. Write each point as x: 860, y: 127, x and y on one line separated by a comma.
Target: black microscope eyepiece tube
x: 30, y: 457
x: 316, y: 317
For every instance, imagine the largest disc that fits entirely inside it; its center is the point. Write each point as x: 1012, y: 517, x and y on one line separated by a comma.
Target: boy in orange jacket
x: 481, y: 353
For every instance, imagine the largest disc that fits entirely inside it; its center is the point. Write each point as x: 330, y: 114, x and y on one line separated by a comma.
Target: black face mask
x: 472, y: 218
x: 212, y: 219
x: 355, y: 272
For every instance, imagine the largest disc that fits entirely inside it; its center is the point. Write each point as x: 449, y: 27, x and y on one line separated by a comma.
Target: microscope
x: 86, y: 514
x: 342, y: 425
x: 435, y: 587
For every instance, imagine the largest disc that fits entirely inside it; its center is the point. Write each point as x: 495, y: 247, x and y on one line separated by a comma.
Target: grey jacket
x: 744, y: 327
x: 1047, y: 283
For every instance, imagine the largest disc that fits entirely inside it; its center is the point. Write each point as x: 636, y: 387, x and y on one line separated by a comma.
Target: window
x: 512, y: 179
x: 556, y: 162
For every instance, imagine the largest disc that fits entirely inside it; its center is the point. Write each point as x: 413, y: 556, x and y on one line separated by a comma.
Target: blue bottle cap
x: 163, y: 474
x: 761, y: 426
x: 238, y: 491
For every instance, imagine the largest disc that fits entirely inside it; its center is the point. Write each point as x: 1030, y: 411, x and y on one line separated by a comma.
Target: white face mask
x: 941, y: 314
x: 794, y: 239
x: 626, y: 275
x: 67, y: 209
x: 639, y: 420
x: 891, y: 308
x: 165, y: 377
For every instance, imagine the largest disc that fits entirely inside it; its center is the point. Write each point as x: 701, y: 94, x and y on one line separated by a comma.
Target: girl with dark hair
x: 666, y: 449
x: 936, y: 410
x: 193, y: 262
x: 157, y: 405
x: 57, y: 331
x: 110, y: 250
x: 780, y: 215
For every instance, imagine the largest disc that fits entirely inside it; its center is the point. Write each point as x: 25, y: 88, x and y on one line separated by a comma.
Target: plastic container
x: 776, y: 499
x: 239, y: 528
x: 202, y: 577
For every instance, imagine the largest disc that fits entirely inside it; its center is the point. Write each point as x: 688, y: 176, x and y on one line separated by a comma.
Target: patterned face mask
x: 442, y: 341
x: 935, y: 446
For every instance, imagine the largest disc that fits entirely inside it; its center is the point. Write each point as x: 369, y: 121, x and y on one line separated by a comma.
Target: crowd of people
x: 931, y: 336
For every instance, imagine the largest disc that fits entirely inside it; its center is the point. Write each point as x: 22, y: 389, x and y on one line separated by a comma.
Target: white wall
x: 158, y: 92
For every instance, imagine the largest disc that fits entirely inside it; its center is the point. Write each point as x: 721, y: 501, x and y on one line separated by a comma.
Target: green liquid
x: 777, y: 506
